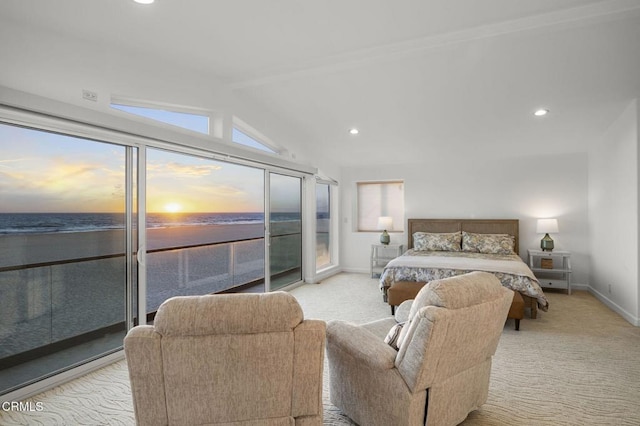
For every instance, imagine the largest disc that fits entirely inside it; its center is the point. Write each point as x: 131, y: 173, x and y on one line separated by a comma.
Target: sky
x: 196, y: 122
x: 179, y: 182
x: 45, y: 172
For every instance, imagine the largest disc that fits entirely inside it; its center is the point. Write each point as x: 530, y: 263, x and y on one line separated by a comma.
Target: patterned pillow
x: 424, y: 241
x: 393, y: 335
x: 488, y: 243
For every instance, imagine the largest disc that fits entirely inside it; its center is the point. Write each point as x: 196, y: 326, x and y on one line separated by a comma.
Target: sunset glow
x: 48, y: 172
x: 172, y: 208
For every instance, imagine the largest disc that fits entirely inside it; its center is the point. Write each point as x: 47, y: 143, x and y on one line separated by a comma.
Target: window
x: 246, y: 140
x: 285, y: 230
x: 64, y: 263
x: 195, y: 122
x: 70, y: 210
x: 380, y: 199
x: 323, y: 225
x: 241, y: 133
x: 80, y: 200
x: 205, y: 226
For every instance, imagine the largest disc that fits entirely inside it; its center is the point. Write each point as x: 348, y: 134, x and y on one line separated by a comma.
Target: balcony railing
x: 45, y: 303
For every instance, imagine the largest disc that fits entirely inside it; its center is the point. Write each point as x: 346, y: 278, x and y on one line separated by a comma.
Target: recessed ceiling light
x: 144, y: 1
x: 354, y: 131
x: 541, y: 112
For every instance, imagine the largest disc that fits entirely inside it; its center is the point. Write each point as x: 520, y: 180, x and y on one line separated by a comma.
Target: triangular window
x: 246, y: 140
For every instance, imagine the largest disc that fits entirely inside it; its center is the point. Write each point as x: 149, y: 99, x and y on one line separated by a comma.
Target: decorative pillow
x: 425, y: 241
x: 392, y: 336
x: 488, y: 243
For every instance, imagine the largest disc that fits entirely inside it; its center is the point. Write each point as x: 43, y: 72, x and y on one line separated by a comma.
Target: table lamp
x: 546, y: 227
x: 384, y: 223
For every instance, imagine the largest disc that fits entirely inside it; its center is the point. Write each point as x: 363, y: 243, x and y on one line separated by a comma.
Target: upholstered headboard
x: 478, y: 226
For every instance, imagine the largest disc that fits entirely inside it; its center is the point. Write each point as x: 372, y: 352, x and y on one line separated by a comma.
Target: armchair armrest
x: 361, y: 344
x: 402, y: 311
x: 142, y: 348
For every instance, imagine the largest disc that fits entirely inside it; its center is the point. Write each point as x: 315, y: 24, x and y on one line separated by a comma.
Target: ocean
x: 44, y: 223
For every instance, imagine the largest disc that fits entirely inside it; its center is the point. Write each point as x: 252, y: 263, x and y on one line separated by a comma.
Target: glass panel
x: 285, y: 251
x: 246, y: 140
x: 62, y: 253
x: 205, y: 227
x: 133, y: 270
x: 248, y: 263
x: 197, y: 123
x: 323, y: 225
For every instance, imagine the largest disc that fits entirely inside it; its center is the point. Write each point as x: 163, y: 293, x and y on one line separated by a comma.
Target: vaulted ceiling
x: 419, y: 79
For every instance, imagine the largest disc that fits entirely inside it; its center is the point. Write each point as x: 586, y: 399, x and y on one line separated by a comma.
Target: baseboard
x: 584, y: 287
x: 356, y: 270
x: 614, y: 307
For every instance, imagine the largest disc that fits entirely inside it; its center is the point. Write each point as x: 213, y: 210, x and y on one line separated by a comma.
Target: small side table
x: 381, y: 254
x: 551, y: 268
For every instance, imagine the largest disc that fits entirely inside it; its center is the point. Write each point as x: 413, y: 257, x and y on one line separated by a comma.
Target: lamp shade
x: 385, y: 222
x: 547, y: 226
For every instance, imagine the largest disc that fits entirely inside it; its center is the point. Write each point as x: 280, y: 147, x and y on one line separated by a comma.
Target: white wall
x: 59, y: 67
x: 523, y: 188
x: 613, y: 215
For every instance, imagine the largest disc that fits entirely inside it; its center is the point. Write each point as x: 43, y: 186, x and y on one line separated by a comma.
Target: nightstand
x: 381, y: 254
x: 551, y: 268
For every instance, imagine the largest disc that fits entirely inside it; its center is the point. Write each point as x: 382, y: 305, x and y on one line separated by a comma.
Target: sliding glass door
x: 204, y: 227
x: 65, y: 252
x: 323, y: 226
x: 78, y: 258
x: 285, y: 230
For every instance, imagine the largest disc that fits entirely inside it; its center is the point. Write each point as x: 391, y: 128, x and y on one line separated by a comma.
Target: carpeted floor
x: 577, y: 364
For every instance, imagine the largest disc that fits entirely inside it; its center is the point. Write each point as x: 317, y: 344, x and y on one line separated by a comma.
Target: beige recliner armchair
x: 241, y: 359
x: 441, y: 369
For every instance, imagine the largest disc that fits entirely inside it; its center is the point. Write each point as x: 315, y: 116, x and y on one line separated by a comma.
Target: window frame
x: 270, y: 147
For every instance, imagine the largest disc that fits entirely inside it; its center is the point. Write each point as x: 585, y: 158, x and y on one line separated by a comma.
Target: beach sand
x: 27, y: 249
x: 44, y: 304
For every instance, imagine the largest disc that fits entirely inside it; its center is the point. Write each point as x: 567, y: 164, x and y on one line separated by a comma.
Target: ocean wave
x: 39, y: 223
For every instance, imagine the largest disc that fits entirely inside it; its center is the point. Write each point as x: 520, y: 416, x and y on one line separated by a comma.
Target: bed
x: 440, y: 248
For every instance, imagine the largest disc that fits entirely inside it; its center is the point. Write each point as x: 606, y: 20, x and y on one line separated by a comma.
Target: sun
x: 172, y: 207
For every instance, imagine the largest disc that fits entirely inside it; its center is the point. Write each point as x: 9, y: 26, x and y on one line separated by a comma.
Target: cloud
x: 3, y: 163
x: 220, y: 190
x: 192, y: 170
x: 175, y: 169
